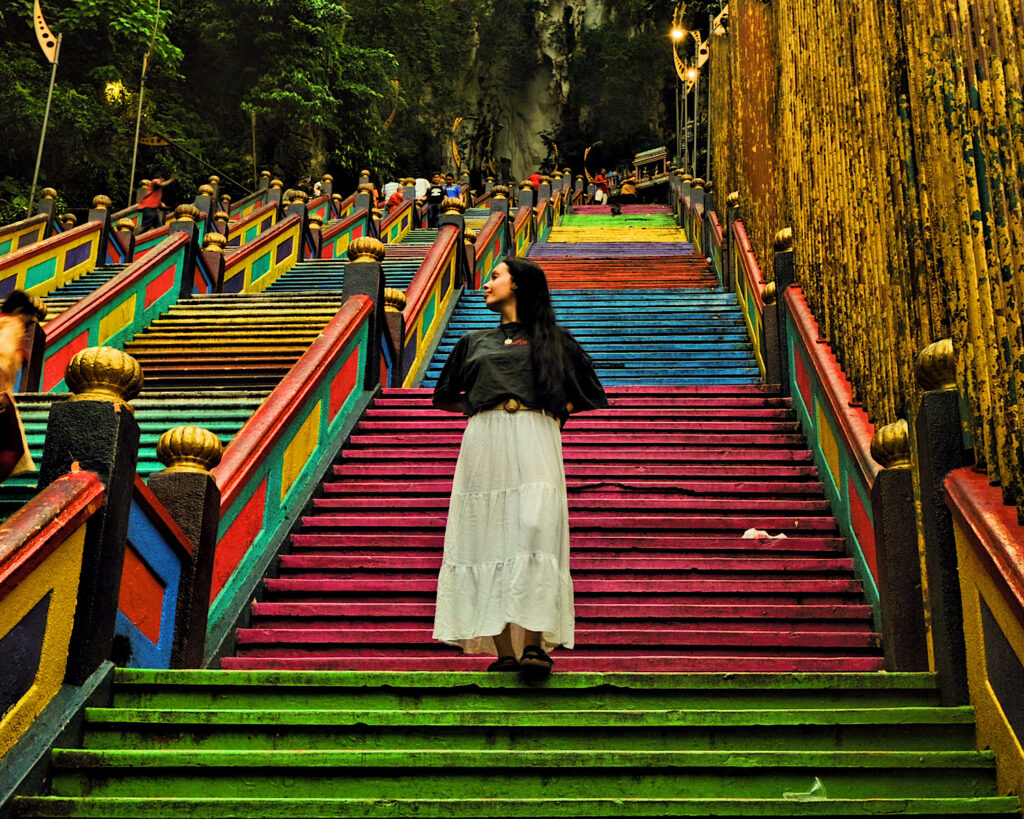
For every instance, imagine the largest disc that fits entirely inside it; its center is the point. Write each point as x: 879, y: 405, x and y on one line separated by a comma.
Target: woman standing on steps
x: 504, y: 586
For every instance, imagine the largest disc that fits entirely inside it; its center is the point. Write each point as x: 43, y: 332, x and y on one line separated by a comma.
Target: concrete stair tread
x: 524, y: 808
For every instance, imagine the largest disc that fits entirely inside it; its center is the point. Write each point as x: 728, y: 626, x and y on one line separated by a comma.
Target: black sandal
x: 535, y: 664
x: 504, y: 664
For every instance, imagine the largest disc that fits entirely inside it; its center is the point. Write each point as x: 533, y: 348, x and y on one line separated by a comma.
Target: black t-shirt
x: 483, y: 371
x: 435, y: 194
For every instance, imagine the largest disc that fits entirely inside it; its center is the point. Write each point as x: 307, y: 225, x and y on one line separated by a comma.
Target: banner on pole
x: 47, y: 42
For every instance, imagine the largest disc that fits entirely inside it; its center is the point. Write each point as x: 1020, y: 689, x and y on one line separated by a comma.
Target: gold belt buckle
x: 511, y: 405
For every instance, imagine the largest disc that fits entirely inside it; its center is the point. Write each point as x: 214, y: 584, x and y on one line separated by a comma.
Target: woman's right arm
x: 448, y: 406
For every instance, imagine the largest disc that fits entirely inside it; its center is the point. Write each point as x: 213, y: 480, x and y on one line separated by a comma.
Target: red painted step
x: 662, y: 486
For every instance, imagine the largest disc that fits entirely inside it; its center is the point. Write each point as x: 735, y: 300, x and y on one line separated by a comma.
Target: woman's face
x: 499, y: 289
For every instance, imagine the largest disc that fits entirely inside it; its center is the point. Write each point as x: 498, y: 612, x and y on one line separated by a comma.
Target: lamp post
x: 677, y: 35
x: 693, y: 75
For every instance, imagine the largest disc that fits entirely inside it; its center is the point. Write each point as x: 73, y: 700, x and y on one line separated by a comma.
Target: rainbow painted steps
x: 650, y: 336
x: 59, y: 300
x: 423, y: 237
x: 637, y: 220
x: 306, y: 744
x: 662, y: 486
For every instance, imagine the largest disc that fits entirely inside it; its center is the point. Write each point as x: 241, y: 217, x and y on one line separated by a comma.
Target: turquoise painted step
x: 310, y: 744
x: 221, y: 413
x: 59, y: 300
x: 329, y: 275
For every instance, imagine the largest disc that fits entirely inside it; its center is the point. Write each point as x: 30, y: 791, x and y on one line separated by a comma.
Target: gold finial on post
x: 214, y: 180
x: 49, y: 193
x: 469, y: 236
x: 733, y: 200
x: 698, y: 183
x: 935, y: 367
x: 187, y: 213
x: 316, y: 221
x: 124, y: 224
x: 366, y: 249
x: 222, y: 216
x: 768, y: 294
x: 891, y: 445
x: 215, y: 242
x: 206, y: 190
x: 500, y: 192
x: 394, y: 300
x: 783, y: 240
x: 68, y: 220
x: 104, y: 374
x: 189, y: 449
x: 277, y: 184
x: 101, y: 202
x: 451, y: 204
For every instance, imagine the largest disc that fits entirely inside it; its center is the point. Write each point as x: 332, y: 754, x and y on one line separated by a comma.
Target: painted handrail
x: 397, y: 223
x: 149, y: 616
x: 346, y: 208
x: 25, y: 233
x: 427, y: 299
x: 41, y: 547
x: 262, y: 261
x: 320, y: 206
x: 523, y: 230
x: 247, y: 204
x: 145, y: 242
x: 115, y: 311
x: 990, y: 570
x: 335, y: 240
x: 716, y: 245
x: 249, y: 227
x: 292, y: 437
x: 53, y: 262
x: 491, y: 246
x: 749, y: 284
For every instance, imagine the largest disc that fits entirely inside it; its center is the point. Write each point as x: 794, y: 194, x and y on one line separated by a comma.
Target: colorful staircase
x: 714, y: 674
x: 63, y: 298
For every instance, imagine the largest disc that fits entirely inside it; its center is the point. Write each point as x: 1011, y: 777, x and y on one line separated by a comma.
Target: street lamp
x: 693, y: 76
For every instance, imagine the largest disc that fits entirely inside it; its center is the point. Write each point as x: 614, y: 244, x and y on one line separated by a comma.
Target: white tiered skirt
x: 506, y: 545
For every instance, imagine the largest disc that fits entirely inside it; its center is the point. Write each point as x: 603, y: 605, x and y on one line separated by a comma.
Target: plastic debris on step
x: 815, y: 794
x: 761, y: 534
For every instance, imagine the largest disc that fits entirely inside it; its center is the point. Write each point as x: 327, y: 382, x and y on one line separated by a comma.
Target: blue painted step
x: 664, y: 336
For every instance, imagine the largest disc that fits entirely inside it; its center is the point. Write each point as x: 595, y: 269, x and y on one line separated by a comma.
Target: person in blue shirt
x: 451, y: 188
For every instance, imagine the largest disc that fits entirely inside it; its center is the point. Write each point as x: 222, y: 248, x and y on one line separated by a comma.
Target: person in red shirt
x: 151, y: 202
x: 394, y: 201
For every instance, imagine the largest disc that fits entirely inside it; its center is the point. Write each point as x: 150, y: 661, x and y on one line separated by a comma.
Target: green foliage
x: 333, y: 85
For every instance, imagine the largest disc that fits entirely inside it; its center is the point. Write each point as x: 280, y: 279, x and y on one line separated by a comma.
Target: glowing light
x: 678, y: 34
x: 115, y: 92
x: 691, y: 74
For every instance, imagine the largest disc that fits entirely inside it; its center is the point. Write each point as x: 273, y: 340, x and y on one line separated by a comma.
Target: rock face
x: 509, y: 127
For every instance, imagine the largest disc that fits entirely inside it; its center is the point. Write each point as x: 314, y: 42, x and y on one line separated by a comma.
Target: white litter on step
x: 761, y: 534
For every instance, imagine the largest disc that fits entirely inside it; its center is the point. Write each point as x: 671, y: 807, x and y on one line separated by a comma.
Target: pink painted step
x: 661, y: 486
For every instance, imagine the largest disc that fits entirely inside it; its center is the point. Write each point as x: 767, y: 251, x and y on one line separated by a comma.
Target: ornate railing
x: 427, y: 300
x: 264, y: 473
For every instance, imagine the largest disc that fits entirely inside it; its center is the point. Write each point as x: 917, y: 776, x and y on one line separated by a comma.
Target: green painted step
x: 156, y: 412
x: 308, y: 744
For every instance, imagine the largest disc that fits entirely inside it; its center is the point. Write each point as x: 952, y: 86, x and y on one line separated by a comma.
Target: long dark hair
x: 547, y: 339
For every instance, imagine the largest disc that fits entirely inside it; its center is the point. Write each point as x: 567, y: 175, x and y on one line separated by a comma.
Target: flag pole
x: 46, y: 122
x: 138, y: 117
x: 138, y: 126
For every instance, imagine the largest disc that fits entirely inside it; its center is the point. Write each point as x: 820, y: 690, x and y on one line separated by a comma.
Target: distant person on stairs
x: 151, y: 202
x: 504, y: 586
x: 17, y: 315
